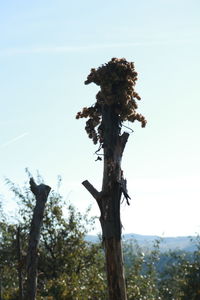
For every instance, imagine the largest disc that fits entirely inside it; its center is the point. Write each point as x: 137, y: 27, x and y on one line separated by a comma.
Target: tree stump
x: 41, y: 193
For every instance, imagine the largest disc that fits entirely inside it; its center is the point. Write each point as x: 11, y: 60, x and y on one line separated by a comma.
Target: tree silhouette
x: 115, y: 104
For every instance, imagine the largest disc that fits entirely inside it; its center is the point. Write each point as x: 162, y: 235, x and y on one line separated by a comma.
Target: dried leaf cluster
x: 117, y: 80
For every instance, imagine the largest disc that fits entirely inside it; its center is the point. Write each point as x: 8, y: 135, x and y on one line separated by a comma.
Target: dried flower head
x: 117, y: 80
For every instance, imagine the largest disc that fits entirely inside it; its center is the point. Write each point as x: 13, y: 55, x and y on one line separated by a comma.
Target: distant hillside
x: 146, y: 241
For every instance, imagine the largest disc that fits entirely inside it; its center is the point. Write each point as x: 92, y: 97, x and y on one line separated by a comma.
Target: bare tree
x: 115, y: 104
x: 41, y: 193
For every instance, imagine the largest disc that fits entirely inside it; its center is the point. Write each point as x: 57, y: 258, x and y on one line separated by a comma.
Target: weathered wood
x: 41, y: 193
x: 110, y: 217
x: 115, y: 104
x: 19, y: 258
x: 91, y: 189
x: 115, y: 269
x: 0, y: 284
x: 109, y: 201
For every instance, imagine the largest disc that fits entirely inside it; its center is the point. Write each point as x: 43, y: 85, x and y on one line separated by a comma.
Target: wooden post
x: 115, y: 104
x: 109, y: 203
x: 41, y: 193
x: 1, y: 283
x: 19, y: 257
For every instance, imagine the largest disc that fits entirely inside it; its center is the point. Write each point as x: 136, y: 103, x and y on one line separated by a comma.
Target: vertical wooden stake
x: 41, y: 193
x: 115, y: 104
x: 19, y: 257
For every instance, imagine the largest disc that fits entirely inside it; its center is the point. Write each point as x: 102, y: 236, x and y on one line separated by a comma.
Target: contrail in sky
x: 13, y: 140
x: 79, y: 48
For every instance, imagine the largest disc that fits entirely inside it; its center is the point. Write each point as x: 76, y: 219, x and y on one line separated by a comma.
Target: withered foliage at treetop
x: 117, y: 80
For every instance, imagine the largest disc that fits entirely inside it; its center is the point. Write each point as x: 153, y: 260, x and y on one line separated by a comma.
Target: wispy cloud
x: 80, y: 48
x: 61, y: 49
x: 15, y: 139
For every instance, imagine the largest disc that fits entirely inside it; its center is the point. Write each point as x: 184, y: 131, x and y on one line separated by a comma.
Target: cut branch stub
x: 91, y: 189
x: 39, y: 190
x: 123, y: 140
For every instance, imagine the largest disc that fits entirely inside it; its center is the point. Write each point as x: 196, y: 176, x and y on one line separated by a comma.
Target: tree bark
x: 41, y: 193
x: 108, y: 200
x: 0, y: 284
x: 19, y: 257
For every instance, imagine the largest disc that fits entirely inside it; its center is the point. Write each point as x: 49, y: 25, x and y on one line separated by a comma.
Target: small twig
x: 131, y: 130
x: 123, y: 140
x: 99, y: 154
x: 100, y: 147
x: 98, y: 158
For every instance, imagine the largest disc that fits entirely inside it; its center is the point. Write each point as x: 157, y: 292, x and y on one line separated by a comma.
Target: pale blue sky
x: 47, y: 49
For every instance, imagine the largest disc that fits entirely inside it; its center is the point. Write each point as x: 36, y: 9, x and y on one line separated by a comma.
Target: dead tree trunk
x: 0, y: 284
x: 19, y: 257
x: 109, y: 202
x: 115, y: 104
x: 41, y: 193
